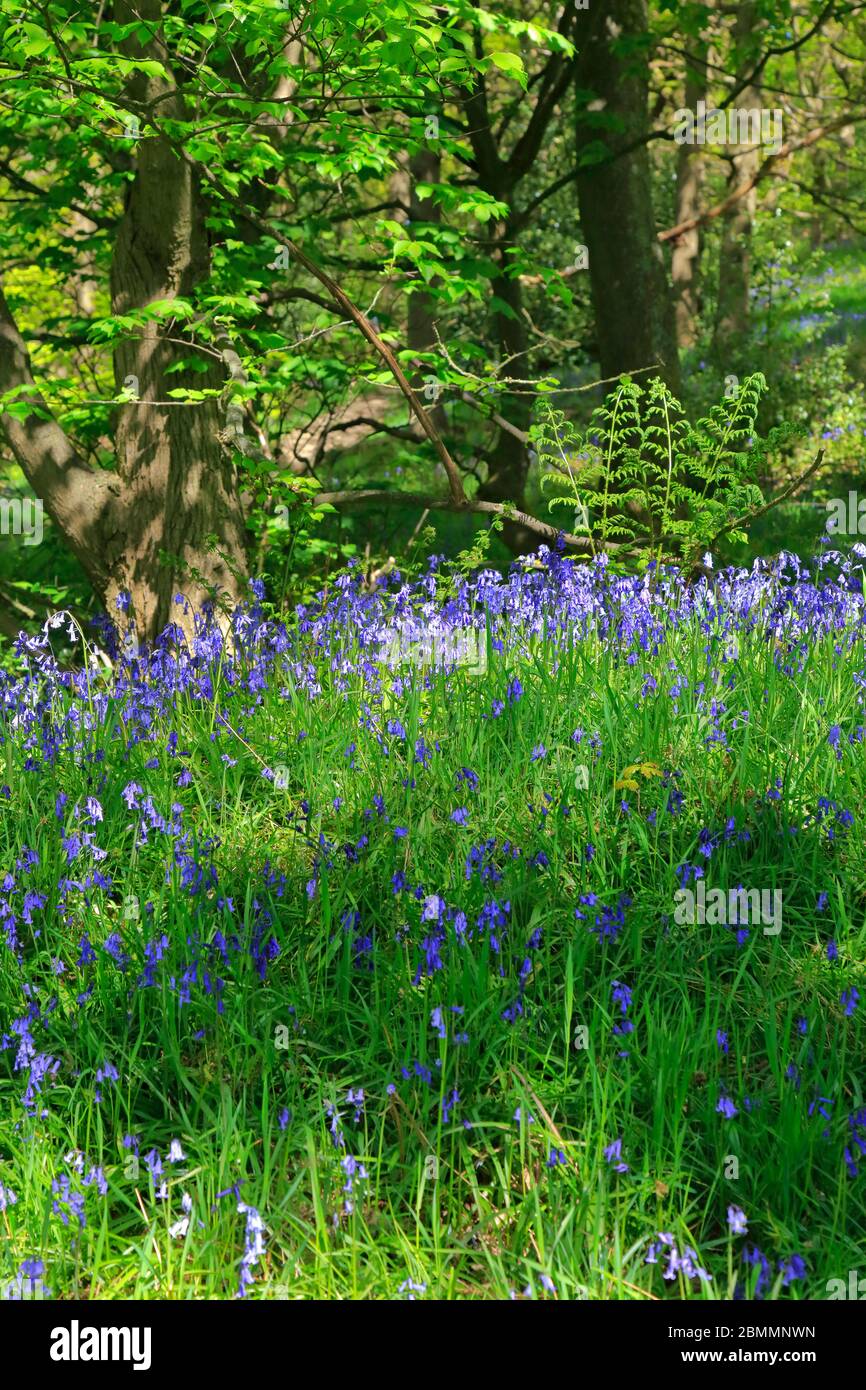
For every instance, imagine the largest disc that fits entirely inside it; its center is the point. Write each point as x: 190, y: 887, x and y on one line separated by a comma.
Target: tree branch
x: 557, y: 75
x: 750, y: 78
x: 792, y: 487
x: 350, y: 309
x: 366, y: 496
x: 73, y: 493
x: 287, y: 295
x: 790, y: 147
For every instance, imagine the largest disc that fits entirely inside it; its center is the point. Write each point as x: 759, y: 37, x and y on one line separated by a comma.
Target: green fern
x: 642, y: 478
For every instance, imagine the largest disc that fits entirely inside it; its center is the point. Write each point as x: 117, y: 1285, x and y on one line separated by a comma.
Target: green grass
x: 465, y: 1205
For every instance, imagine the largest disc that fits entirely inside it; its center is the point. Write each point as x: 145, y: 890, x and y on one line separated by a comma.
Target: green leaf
x: 510, y: 63
x: 36, y: 40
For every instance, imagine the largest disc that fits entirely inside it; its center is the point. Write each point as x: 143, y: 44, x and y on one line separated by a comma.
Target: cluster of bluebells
x: 439, y: 1023
x: 354, y: 1172
x: 790, y: 1267
x: 57, y: 716
x: 855, y: 1149
x: 410, y: 1289
x: 27, y: 1284
x: 68, y: 1198
x: 685, y: 1263
x: 610, y: 920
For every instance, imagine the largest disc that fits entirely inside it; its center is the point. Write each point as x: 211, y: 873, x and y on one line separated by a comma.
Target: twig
x: 748, y: 517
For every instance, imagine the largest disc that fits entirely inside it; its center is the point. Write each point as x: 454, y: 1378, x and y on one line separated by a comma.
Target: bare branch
x: 373, y: 496
x: 748, y: 517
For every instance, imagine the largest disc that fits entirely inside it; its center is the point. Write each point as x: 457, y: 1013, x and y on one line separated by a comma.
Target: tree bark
x: 508, y: 461
x: 686, y: 256
x: 75, y: 495
x: 735, y: 256
x: 179, y: 483
x: 501, y: 177
x: 424, y: 167
x: 627, y: 273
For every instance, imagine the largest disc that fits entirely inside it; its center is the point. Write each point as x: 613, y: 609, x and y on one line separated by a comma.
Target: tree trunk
x: 508, y: 461
x: 735, y: 256
x: 628, y: 278
x: 175, y: 485
x: 180, y: 484
x: 424, y: 167
x: 685, y: 259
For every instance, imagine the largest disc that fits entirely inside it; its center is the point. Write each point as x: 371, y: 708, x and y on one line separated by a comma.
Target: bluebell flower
x: 793, y: 1267
x: 449, y: 1103
x: 755, y: 1257
x: 410, y: 1288
x: 254, y: 1246
x: 153, y: 1162
x: 613, y: 1156
x: 849, y: 999
x: 737, y: 1221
